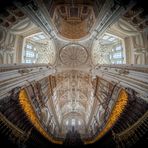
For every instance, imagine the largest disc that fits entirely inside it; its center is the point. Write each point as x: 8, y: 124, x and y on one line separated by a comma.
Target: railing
x: 15, y: 131
x: 132, y: 134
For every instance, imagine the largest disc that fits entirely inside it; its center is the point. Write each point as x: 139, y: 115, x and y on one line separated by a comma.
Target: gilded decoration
x: 115, y: 114
x: 73, y: 55
x: 73, y: 22
x: 28, y: 109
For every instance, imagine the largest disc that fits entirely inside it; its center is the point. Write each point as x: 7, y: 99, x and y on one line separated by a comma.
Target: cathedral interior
x: 73, y: 73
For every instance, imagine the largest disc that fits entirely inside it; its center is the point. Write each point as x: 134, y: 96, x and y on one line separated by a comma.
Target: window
x: 41, y: 36
x: 119, y: 62
x: 113, y: 49
x: 67, y: 122
x: 105, y: 37
x: 36, y: 38
x: 79, y: 122
x: 118, y: 48
x: 108, y: 49
x: 30, y: 54
x: 111, y: 39
x: 29, y: 46
x: 73, y: 122
x: 28, y: 61
x: 39, y: 49
x: 117, y: 55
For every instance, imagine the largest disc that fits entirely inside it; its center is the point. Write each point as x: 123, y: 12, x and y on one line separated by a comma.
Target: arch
x: 2, y: 35
x: 45, y: 115
x: 122, y: 100
x: 1, y: 59
x: 31, y: 114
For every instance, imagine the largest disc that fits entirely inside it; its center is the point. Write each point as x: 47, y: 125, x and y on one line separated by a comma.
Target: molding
x: 127, y: 76
x: 34, y: 12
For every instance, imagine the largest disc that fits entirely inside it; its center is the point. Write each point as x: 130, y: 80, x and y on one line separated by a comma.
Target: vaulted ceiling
x: 73, y: 95
x: 70, y: 35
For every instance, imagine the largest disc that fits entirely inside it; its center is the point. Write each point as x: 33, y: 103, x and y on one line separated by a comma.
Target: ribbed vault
x: 74, y: 95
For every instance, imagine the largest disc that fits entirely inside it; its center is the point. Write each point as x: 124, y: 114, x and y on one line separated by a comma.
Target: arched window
x: 39, y: 49
x: 73, y: 122
x: 67, y: 122
x: 107, y: 50
x: 79, y: 122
